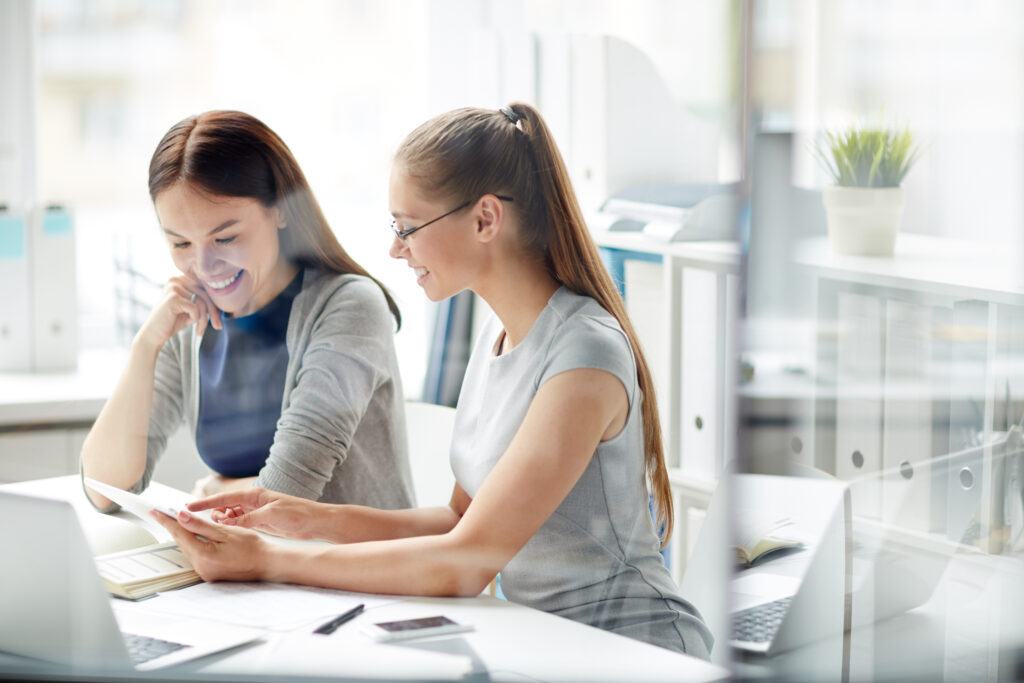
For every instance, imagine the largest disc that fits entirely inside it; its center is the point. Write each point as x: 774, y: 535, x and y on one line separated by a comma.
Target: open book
x: 759, y: 540
x: 138, y: 562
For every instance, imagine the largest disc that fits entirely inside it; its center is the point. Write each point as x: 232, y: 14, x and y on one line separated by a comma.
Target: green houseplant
x: 865, y: 205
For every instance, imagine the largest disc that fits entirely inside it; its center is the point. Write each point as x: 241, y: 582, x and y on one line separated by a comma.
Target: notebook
x: 56, y: 609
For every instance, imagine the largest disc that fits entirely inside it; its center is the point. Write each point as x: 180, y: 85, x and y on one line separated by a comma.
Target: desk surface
x: 510, y: 642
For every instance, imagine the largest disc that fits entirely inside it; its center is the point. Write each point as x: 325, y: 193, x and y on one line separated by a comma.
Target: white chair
x: 429, y: 429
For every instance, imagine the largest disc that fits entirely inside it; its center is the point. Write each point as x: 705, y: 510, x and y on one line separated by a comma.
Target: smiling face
x: 444, y: 254
x: 229, y: 245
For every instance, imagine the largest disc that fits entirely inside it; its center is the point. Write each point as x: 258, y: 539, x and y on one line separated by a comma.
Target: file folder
x: 912, y: 494
x: 15, y: 305
x: 859, y: 348
x: 703, y: 381
x: 54, y: 291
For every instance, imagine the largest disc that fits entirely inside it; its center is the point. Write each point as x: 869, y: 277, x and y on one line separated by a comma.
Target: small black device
x: 414, y: 628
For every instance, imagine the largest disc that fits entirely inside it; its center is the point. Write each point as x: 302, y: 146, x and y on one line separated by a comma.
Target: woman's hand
x: 268, y: 511
x: 183, y: 302
x: 225, y: 554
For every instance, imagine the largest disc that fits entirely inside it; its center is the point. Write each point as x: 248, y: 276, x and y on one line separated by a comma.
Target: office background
x: 762, y: 353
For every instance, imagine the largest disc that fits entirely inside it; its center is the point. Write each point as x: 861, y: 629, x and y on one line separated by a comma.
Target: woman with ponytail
x: 272, y: 346
x: 556, y: 448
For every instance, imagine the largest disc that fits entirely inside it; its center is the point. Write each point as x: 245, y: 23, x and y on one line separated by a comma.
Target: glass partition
x: 894, y: 370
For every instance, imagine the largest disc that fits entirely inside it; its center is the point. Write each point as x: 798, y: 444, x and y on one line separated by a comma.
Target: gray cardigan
x: 341, y: 435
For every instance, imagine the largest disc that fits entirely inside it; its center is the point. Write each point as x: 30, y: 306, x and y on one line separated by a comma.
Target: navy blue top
x: 241, y: 386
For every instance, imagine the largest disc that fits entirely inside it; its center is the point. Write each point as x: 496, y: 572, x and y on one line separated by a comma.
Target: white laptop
x: 782, y: 603
x: 56, y: 609
x: 850, y: 571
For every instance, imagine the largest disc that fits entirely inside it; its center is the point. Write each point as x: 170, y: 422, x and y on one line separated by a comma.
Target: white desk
x: 510, y: 642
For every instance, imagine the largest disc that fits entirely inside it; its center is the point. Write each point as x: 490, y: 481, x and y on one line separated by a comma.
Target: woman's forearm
x: 115, y: 448
x: 358, y: 523
x: 427, y: 565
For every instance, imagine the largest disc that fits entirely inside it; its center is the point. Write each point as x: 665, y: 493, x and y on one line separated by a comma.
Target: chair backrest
x: 429, y: 427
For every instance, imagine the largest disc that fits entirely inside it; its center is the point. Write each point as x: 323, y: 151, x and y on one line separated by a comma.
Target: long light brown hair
x: 233, y: 154
x: 469, y: 152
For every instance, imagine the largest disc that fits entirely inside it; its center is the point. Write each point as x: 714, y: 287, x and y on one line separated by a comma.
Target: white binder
x: 859, y: 345
x: 703, y: 367
x: 54, y: 290
x: 15, y: 304
x: 907, y: 437
x: 645, y: 303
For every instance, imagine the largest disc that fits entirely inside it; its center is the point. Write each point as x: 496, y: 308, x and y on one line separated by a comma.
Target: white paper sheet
x: 277, y: 607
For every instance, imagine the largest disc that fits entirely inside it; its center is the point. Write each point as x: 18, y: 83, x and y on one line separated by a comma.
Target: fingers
x: 247, y: 520
x: 192, y: 299
x: 189, y: 529
x: 245, y: 498
x: 222, y: 514
x: 208, y: 311
x: 202, y: 317
x: 186, y: 541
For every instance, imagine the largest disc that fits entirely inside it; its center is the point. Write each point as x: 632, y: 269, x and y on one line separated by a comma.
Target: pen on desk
x: 332, y: 625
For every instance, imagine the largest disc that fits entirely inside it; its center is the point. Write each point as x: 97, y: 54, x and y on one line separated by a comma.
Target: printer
x: 672, y: 213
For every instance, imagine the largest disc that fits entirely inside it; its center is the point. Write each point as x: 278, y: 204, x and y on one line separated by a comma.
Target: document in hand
x: 133, y: 503
x: 141, y: 572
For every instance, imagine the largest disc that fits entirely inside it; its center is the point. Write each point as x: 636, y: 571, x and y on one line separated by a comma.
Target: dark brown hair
x: 467, y: 153
x: 233, y: 154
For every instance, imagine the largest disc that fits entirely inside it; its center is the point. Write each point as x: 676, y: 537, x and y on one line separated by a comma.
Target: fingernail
x: 184, y: 516
x: 229, y: 520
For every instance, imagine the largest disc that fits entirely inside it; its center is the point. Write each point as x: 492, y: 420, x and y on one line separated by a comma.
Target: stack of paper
x: 140, y: 572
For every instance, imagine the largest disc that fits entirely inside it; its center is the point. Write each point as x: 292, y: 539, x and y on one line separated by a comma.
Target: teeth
x: 221, y: 284
x: 420, y: 271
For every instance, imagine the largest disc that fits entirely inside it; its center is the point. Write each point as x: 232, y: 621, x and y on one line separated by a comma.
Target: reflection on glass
x: 898, y: 377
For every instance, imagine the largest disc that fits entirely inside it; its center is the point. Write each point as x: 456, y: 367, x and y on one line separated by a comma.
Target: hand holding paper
x: 133, y: 503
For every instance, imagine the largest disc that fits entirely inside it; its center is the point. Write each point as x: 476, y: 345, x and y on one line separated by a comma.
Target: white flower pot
x: 863, y: 221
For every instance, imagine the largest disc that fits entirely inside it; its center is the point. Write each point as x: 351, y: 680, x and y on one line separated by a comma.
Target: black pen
x: 332, y: 625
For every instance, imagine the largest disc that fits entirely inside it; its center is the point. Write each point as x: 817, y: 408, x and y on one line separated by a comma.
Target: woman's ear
x: 278, y: 217
x: 490, y: 215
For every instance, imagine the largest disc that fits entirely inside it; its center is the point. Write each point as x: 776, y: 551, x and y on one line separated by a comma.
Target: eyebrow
x: 223, y: 226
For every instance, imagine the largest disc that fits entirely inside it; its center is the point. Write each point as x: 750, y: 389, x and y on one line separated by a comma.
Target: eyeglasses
x: 403, y: 234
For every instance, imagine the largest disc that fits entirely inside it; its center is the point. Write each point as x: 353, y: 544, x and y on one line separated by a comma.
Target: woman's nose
x: 397, y: 247
x: 207, y: 261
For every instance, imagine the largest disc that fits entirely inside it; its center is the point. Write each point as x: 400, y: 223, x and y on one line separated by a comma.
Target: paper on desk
x: 355, y: 657
x: 273, y: 606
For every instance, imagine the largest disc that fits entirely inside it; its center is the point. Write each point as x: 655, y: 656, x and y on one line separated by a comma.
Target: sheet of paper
x: 271, y: 606
x: 132, y: 502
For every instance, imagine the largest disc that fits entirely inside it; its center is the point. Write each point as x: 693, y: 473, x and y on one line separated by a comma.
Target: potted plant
x: 864, y: 207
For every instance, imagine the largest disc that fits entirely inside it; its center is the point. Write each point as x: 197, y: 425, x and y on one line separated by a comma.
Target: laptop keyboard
x: 758, y: 624
x: 141, y: 649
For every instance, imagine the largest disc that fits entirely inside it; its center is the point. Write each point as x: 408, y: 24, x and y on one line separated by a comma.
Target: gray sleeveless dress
x: 596, y: 559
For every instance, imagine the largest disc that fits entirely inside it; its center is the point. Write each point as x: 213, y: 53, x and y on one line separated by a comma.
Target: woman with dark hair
x: 273, y: 346
x: 556, y: 448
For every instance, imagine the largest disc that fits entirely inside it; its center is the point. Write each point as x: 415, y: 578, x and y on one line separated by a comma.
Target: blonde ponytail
x: 466, y: 153
x: 576, y: 263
